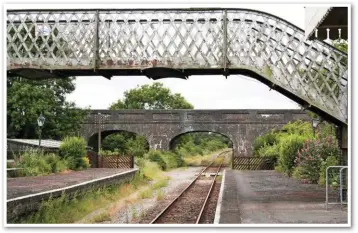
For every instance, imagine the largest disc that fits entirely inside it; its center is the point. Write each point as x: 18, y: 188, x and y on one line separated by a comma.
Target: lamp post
x: 99, y: 132
x: 315, y: 122
x: 40, y: 122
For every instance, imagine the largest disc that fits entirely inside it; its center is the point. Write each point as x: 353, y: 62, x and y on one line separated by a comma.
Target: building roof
x: 48, y: 143
x: 323, y: 18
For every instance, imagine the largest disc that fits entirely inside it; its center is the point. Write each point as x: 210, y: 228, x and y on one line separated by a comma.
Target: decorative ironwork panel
x: 50, y: 39
x: 227, y: 40
x: 275, y: 49
x: 170, y: 38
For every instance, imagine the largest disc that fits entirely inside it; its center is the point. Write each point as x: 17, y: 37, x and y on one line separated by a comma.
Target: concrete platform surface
x: 262, y: 197
x: 22, y: 186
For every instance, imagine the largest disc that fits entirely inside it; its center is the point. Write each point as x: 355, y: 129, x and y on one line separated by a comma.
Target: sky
x: 204, y: 92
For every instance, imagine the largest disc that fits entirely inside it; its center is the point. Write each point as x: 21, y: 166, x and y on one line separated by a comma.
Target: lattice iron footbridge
x: 178, y: 43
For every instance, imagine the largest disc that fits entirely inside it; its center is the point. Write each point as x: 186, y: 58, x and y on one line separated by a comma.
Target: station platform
x: 264, y: 197
x: 25, y: 194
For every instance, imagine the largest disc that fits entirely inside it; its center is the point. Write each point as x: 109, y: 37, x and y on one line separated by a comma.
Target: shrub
x: 149, y: 170
x: 179, y: 159
x: 259, y: 143
x: 314, y: 154
x: 309, y: 159
x: 169, y: 159
x: 115, y: 141
x: 298, y: 173
x: 110, y: 153
x: 289, y: 146
x: 73, y: 149
x: 137, y: 147
x: 334, y: 173
x: 327, y: 146
x: 33, y: 163
x: 269, y: 151
x: 155, y: 156
x: 299, y: 127
x: 57, y: 164
x: 266, y: 140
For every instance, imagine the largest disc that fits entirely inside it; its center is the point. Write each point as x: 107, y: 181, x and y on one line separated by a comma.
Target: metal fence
x: 337, y: 181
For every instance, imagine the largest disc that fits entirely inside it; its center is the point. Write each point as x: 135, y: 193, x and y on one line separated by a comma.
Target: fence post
x: 132, y: 161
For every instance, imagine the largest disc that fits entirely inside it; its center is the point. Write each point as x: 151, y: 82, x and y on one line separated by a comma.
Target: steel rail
x: 208, y: 195
x: 191, y: 183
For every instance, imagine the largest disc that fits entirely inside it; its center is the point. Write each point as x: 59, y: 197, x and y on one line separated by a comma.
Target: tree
x: 114, y: 142
x: 126, y: 143
x: 154, y: 96
x: 27, y: 99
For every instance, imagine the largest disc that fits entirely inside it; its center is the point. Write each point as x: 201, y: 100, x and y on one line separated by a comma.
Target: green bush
x: 289, y: 146
x: 116, y: 152
x: 266, y: 140
x: 312, y: 157
x: 57, y: 164
x: 33, y: 162
x: 269, y: 151
x: 179, y: 159
x: 73, y: 149
x: 156, y: 156
x: 298, y: 173
x: 137, y: 146
x: 169, y: 159
x: 299, y: 127
x: 114, y: 142
x: 148, y: 169
x: 333, y: 173
x: 213, y: 145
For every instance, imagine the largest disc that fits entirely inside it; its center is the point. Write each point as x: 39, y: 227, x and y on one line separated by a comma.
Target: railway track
x: 191, y: 204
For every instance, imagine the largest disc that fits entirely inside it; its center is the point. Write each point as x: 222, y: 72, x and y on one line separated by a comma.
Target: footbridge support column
x: 343, y: 143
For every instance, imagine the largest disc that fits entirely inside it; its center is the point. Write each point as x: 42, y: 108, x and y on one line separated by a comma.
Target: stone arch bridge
x: 160, y: 127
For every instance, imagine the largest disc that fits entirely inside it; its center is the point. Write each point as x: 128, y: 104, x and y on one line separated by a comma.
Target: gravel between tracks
x: 144, y: 210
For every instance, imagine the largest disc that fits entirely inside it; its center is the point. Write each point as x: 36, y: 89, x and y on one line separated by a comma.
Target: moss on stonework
x: 268, y: 71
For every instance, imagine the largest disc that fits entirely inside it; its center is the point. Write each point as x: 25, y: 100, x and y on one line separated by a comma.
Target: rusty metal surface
x: 196, y: 41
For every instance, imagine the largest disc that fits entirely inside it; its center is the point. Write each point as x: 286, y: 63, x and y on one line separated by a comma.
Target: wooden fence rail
x: 113, y: 161
x: 253, y: 163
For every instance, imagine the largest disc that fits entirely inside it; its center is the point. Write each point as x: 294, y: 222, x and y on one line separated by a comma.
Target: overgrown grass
x: 68, y: 210
x: 34, y: 162
x: 160, y: 195
x: 202, y: 160
x: 197, y: 160
x: 101, y: 218
x: 160, y: 184
x: 147, y: 193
